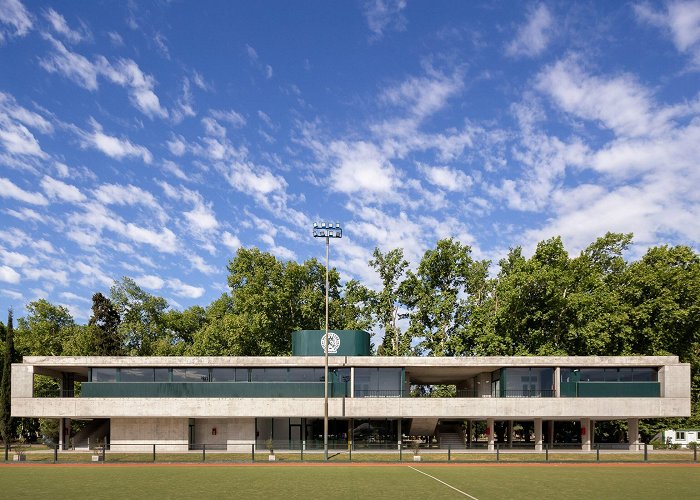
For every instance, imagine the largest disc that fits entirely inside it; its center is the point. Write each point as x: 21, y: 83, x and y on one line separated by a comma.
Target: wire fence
x: 141, y: 452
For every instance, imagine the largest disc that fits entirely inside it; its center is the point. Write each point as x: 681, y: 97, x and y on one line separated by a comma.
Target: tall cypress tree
x: 105, y: 321
x: 5, y: 415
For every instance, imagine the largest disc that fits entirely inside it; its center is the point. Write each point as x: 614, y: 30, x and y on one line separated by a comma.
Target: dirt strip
x: 365, y: 464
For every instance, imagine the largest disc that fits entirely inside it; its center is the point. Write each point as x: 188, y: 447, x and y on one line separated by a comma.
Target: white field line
x: 443, y: 482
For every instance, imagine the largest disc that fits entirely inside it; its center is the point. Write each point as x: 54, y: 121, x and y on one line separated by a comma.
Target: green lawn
x: 290, y: 482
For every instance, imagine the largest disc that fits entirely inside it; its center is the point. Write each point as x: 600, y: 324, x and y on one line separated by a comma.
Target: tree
x: 45, y: 330
x: 5, y: 383
x: 386, y: 303
x: 104, y: 325
x: 142, y: 326
x: 437, y: 295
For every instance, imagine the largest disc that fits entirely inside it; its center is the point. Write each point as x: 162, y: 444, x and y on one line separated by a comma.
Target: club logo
x: 333, y: 345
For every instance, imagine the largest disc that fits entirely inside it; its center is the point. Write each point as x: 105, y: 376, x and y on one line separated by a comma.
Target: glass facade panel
x: 527, y: 382
x: 136, y: 375
x: 268, y: 374
x: 161, y: 374
x: 223, y: 374
x: 305, y: 375
x: 645, y: 375
x: 190, y: 374
x: 377, y: 382
x: 104, y: 374
x: 626, y: 374
x: 592, y: 374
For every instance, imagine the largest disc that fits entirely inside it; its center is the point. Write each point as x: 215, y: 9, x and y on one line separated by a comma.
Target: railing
x: 144, y: 452
x: 528, y: 393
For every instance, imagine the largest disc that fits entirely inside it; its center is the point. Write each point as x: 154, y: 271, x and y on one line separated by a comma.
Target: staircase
x: 452, y: 440
x: 423, y: 426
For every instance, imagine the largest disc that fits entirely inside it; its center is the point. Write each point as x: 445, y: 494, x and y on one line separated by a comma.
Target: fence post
x: 401, y: 454
x: 449, y: 452
x: 104, y: 452
x: 350, y: 453
x: 597, y: 452
x: 546, y: 452
x: 646, y: 454
x: 498, y: 452
x: 55, y: 453
x: 695, y: 453
x: 154, y: 452
x: 252, y: 451
x: 7, y: 451
x: 302, y: 452
x: 204, y: 452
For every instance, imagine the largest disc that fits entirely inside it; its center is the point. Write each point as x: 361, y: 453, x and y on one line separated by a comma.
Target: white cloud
x: 184, y: 290
x: 9, y: 275
x: 92, y: 275
x: 234, y: 118
x: 533, y: 37
x: 185, y: 104
x: 45, y: 274
x: 213, y: 127
x: 202, y: 217
x: 10, y: 109
x: 126, y: 72
x: 150, y: 281
x: 74, y: 297
x: 9, y: 190
x: 446, y: 178
x: 73, y: 66
x: 254, y: 180
x: 60, y: 26
x: 14, y: 15
x: 620, y: 103
x: 200, y: 265
x: 11, y: 293
x: 14, y: 259
x: 117, y: 194
x: 361, y: 167
x: 27, y: 214
x: 177, y: 146
x: 114, y: 147
x: 383, y: 15
x: 56, y: 189
x: 681, y: 20
x: 17, y: 139
x: 423, y: 96
x: 231, y: 241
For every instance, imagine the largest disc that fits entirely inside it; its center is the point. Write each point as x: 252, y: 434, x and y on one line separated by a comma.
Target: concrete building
x: 231, y: 402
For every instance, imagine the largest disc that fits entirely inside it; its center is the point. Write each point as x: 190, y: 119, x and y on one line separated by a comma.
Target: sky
x: 154, y: 139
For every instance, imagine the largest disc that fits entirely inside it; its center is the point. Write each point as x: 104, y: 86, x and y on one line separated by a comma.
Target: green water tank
x: 342, y: 343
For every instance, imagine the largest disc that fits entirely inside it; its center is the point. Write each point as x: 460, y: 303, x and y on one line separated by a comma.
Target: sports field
x: 511, y: 481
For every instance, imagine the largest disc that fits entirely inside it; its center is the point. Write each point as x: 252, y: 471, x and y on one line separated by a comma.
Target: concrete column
x: 586, y: 434
x: 557, y: 381
x: 490, y: 434
x: 538, y: 434
x: 633, y: 433
x: 352, y: 381
x: 510, y: 433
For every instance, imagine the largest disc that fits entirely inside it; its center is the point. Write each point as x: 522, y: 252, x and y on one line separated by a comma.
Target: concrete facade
x: 230, y: 422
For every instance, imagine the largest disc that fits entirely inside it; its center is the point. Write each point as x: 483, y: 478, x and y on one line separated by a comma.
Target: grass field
x: 511, y: 481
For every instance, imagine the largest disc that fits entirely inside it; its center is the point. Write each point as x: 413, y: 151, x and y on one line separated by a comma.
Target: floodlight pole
x: 320, y: 231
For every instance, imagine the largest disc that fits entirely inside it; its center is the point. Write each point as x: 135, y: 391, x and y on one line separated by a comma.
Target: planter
x: 416, y: 458
x: 20, y: 458
x: 98, y: 458
x: 271, y: 458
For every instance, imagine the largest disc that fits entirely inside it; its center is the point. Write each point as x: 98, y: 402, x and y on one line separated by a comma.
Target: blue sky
x: 153, y: 139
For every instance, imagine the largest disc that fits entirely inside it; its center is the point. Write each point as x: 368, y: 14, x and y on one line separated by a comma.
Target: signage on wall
x: 333, y: 345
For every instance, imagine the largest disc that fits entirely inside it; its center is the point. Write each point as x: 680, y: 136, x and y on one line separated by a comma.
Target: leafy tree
x: 45, y: 330
x: 386, y: 302
x: 437, y: 296
x: 355, y: 307
x: 142, y: 326
x: 6, y: 431
x: 104, y: 325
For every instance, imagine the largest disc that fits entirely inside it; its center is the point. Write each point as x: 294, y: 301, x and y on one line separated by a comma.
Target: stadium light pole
x: 326, y: 230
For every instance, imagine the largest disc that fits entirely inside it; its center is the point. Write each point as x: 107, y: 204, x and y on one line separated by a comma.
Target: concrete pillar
x: 490, y: 434
x: 352, y: 381
x: 557, y: 381
x: 510, y: 433
x: 586, y: 434
x: 633, y: 433
x: 538, y: 434
x: 61, y: 437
